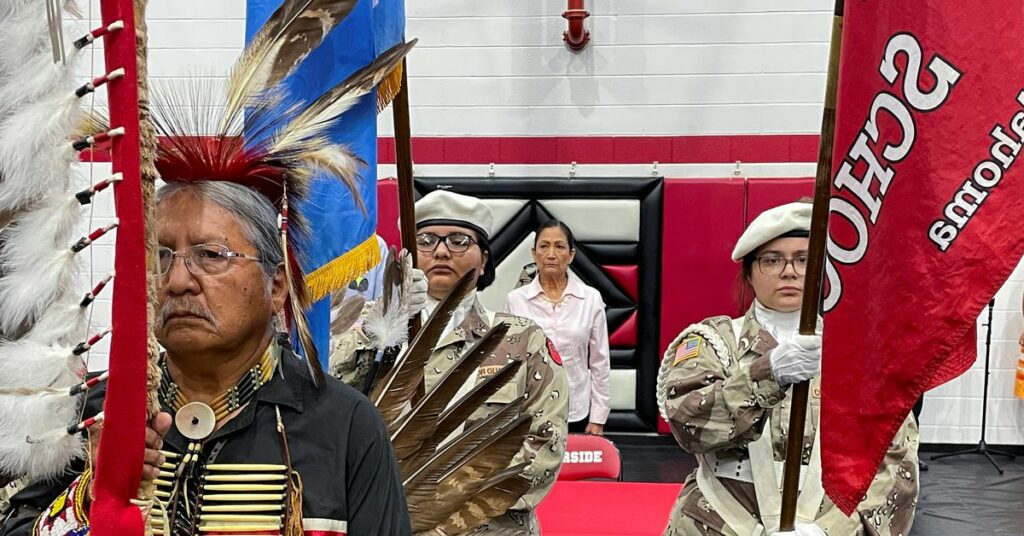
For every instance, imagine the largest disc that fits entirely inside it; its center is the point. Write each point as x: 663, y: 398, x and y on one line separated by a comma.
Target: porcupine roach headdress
x: 264, y: 140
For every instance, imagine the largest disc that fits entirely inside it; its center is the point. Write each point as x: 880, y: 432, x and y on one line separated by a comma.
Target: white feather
x: 35, y: 153
x: 30, y: 365
x: 25, y: 30
x: 43, y: 414
x: 62, y: 323
x: 388, y: 327
x: 37, y: 232
x: 26, y: 63
x: 36, y: 79
x: 310, y: 125
x: 36, y: 262
x: 38, y: 416
x: 24, y: 294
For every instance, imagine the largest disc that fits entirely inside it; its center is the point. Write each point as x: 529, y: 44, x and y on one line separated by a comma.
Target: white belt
x: 740, y: 470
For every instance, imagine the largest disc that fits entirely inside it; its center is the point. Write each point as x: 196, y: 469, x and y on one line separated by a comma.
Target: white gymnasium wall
x: 656, y: 67
x: 653, y: 67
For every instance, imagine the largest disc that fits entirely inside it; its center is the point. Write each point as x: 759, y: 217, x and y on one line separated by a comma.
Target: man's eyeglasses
x: 775, y: 264
x: 455, y: 242
x: 204, y: 259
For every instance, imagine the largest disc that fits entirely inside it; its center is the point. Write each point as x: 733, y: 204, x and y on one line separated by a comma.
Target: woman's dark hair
x: 552, y: 224
x: 744, y: 291
x: 488, y: 276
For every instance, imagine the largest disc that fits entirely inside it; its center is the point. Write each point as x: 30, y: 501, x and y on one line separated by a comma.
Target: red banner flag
x: 926, y: 220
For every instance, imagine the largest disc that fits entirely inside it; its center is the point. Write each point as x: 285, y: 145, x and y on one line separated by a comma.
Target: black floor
x: 960, y: 496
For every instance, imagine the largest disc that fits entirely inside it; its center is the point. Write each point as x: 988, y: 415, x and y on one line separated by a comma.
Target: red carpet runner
x: 583, y: 508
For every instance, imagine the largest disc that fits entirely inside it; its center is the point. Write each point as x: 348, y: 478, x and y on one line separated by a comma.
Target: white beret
x: 442, y: 207
x: 772, y: 224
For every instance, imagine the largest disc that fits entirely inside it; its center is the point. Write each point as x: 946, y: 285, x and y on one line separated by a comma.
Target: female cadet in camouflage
x: 722, y: 387
x: 452, y: 238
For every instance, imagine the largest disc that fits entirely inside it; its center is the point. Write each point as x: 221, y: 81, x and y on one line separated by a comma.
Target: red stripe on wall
x: 607, y: 149
x: 595, y: 149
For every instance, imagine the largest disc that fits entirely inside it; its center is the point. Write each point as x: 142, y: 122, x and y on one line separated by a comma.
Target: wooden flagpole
x: 403, y: 161
x: 813, y: 275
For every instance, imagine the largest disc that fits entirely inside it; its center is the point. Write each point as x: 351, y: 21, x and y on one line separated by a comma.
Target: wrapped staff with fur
x: 262, y: 152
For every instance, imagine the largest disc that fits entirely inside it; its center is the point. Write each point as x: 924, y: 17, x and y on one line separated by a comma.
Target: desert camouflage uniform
x: 541, y: 378
x: 720, y: 408
x: 7, y: 490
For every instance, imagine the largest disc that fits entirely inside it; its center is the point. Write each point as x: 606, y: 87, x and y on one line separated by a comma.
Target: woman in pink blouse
x: 572, y: 316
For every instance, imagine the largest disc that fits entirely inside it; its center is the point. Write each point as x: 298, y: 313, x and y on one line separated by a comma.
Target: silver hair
x: 254, y: 211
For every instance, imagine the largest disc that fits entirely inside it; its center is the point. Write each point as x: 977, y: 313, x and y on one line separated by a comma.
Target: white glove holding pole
x: 796, y: 359
x: 417, y: 291
x: 803, y: 529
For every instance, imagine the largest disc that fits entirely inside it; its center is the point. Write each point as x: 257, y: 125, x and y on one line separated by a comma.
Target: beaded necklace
x: 232, y: 399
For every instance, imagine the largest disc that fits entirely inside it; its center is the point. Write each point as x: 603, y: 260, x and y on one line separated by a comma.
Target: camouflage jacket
x: 716, y: 390
x: 542, y: 379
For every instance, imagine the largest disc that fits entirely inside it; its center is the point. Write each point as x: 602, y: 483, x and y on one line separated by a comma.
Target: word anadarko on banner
x: 877, y: 171
x: 986, y: 175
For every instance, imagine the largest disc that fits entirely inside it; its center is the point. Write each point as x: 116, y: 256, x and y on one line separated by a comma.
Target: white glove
x: 417, y: 291
x: 802, y: 529
x: 796, y: 359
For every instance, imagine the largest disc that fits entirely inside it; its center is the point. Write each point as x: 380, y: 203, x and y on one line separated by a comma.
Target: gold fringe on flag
x: 389, y: 87
x: 1018, y: 388
x: 342, y: 270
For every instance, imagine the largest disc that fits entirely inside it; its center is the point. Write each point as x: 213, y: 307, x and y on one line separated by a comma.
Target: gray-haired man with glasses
x: 244, y: 404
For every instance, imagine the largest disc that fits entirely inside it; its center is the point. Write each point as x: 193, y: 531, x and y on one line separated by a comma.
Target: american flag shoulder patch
x: 688, y: 349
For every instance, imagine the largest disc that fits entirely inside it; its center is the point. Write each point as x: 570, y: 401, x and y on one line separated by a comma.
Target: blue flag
x: 342, y: 244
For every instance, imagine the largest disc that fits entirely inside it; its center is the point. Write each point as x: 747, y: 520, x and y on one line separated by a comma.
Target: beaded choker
x: 232, y: 399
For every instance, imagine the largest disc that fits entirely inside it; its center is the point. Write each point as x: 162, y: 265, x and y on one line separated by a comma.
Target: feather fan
x: 440, y: 472
x: 396, y: 390
x: 455, y: 451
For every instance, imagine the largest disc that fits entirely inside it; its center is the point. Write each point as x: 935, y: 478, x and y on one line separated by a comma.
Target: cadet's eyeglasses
x: 775, y: 265
x: 455, y: 242
x: 204, y: 259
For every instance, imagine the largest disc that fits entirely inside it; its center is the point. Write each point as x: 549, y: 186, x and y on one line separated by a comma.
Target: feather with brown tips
x: 466, y: 477
x: 298, y: 301
x: 455, y: 450
x: 288, y: 36
x: 395, y: 391
x: 345, y: 312
x: 419, y: 424
x: 315, y: 118
x: 494, y: 498
x: 456, y: 415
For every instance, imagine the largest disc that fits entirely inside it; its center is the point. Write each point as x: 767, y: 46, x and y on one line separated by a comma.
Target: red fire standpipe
x: 577, y: 37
